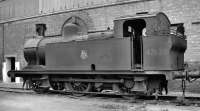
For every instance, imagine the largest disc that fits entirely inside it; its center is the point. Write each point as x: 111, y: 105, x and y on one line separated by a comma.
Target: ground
x: 44, y: 102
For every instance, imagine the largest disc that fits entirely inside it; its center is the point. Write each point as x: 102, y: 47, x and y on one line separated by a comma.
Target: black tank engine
x: 137, y: 56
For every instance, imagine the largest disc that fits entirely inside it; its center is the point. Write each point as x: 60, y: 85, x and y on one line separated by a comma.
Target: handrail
x: 176, y: 33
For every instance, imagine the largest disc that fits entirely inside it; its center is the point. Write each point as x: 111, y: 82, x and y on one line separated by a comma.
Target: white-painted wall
x: 17, y: 67
x: 6, y: 67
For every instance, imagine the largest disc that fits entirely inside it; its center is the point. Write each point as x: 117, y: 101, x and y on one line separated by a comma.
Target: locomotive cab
x: 153, y: 47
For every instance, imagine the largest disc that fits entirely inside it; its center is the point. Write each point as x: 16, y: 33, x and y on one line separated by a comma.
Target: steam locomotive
x: 136, y: 57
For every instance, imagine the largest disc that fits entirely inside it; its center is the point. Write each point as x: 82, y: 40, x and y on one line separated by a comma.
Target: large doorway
x: 134, y: 29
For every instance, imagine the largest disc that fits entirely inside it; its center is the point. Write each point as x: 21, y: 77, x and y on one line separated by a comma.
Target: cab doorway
x: 134, y: 29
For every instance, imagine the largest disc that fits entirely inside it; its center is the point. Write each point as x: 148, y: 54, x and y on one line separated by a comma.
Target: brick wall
x: 187, y: 12
x: 10, y: 9
x: 99, y: 18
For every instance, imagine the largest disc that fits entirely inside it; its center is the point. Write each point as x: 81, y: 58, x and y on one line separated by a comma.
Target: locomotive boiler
x: 136, y: 57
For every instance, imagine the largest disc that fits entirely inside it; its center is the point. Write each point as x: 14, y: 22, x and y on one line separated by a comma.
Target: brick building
x: 18, y: 19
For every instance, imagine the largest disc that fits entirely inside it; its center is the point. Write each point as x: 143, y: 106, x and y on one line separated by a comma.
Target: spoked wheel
x: 120, y: 89
x: 78, y: 87
x: 35, y: 84
x: 36, y: 87
x: 57, y: 85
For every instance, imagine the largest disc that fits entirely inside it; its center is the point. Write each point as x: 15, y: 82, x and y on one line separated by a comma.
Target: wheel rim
x: 35, y: 84
x: 36, y: 87
x: 78, y: 86
x: 120, y: 90
x: 124, y: 88
x: 57, y: 85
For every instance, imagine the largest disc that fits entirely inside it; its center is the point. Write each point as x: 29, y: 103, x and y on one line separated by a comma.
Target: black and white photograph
x: 99, y: 55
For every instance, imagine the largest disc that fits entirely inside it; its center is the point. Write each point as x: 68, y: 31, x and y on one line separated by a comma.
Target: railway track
x: 188, y: 100
x: 15, y: 90
x: 179, y: 100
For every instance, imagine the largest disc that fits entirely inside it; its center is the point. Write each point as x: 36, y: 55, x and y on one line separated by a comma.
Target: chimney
x: 40, y: 29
